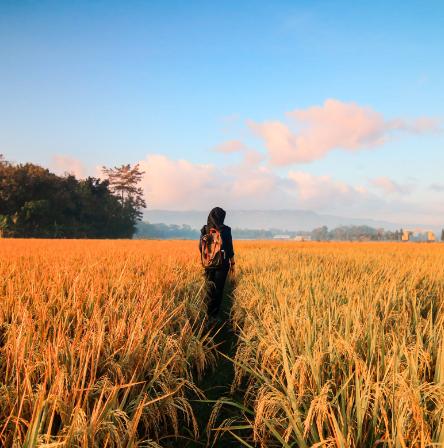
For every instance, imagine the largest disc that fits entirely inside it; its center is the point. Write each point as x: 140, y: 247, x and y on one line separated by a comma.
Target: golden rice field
x: 103, y: 343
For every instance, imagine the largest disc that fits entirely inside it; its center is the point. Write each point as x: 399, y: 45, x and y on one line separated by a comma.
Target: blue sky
x: 84, y: 84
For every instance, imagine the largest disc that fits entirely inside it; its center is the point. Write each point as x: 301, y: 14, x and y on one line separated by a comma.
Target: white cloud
x: 181, y: 185
x: 251, y: 184
x: 253, y: 181
x: 178, y: 184
x: 313, y: 132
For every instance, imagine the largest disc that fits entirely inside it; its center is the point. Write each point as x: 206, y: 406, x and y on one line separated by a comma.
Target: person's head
x: 216, y: 217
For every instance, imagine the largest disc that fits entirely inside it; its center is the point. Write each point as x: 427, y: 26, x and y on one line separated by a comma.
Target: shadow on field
x: 217, y: 383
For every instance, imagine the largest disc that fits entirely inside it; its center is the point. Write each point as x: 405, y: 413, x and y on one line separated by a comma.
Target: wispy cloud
x: 310, y: 134
x: 230, y: 146
x: 321, y: 191
x: 420, y: 125
x: 63, y: 164
x: 389, y: 186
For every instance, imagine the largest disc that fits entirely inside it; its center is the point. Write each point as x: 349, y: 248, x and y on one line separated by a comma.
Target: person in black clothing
x: 216, y: 277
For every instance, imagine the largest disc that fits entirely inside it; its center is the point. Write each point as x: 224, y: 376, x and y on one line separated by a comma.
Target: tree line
x: 35, y: 202
x: 161, y: 231
x: 146, y: 230
x: 361, y: 233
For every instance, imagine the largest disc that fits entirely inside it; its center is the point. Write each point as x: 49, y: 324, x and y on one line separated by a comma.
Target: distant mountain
x: 292, y: 220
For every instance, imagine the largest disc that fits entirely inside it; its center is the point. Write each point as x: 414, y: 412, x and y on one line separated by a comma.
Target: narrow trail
x: 217, y: 383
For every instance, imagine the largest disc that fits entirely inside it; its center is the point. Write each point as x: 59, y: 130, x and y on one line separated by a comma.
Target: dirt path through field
x: 216, y: 384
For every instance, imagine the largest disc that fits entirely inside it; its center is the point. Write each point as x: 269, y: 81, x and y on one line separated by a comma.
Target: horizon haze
x: 286, y: 220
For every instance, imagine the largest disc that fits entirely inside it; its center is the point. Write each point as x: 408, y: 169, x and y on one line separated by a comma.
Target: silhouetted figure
x: 217, y: 254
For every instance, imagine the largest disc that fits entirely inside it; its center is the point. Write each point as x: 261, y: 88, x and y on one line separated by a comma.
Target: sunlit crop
x: 342, y: 344
x: 100, y: 341
x: 103, y: 343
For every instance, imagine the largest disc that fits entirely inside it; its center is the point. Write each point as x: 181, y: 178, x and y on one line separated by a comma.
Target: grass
x: 103, y: 343
x: 342, y: 344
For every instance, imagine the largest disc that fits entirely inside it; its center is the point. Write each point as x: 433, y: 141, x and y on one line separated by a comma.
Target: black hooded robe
x: 216, y: 277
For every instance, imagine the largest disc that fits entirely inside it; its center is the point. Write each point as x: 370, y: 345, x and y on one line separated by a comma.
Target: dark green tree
x: 37, y: 203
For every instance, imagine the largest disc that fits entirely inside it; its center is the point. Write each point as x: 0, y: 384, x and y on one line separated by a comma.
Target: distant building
x: 281, y: 237
x: 302, y: 238
x: 406, y: 234
x: 418, y: 236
